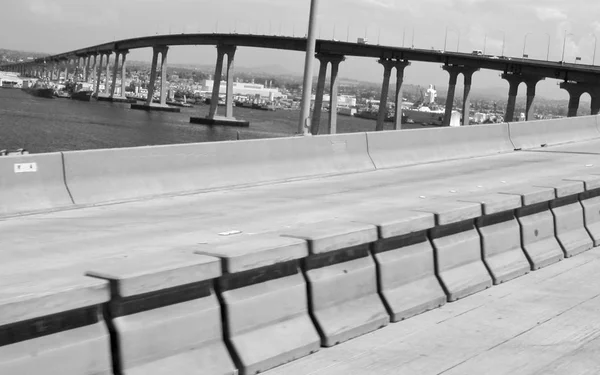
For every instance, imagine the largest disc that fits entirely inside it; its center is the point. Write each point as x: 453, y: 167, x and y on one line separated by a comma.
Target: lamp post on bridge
x: 503, y: 42
x: 564, y: 45
x: 548, y: 49
x: 446, y: 37
x: 595, y: 42
x: 304, y: 124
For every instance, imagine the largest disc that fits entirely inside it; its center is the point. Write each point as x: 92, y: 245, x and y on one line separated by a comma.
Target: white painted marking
x: 25, y: 167
x: 229, y: 233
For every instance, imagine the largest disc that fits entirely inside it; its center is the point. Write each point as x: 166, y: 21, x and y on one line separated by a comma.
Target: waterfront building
x: 10, y: 79
x: 241, y: 88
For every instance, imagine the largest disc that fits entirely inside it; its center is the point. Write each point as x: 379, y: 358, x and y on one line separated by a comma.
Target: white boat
x: 425, y: 115
x: 428, y: 113
x: 346, y: 111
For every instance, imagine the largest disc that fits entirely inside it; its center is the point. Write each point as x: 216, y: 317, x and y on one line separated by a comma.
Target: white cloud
x: 550, y: 14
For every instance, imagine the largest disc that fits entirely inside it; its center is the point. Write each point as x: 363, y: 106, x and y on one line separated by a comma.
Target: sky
x: 56, y: 26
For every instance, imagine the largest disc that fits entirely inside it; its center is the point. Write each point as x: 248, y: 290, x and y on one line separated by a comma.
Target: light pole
x: 548, y: 53
x: 484, y: 43
x: 525, y: 43
x: 304, y: 124
x: 446, y: 38
x: 595, y: 42
x: 564, y: 45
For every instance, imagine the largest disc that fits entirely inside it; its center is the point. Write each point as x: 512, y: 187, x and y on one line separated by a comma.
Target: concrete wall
x: 57, y: 180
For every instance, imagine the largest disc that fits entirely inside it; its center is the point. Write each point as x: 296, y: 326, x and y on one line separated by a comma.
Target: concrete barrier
x: 130, y: 173
x: 264, y: 300
x: 537, y: 225
x: 392, y: 149
x: 568, y: 217
x: 590, y: 200
x: 501, y: 236
x: 405, y: 262
x: 164, y: 316
x: 458, y: 248
x: 535, y: 134
x: 54, y: 326
x: 342, y: 279
x: 32, y: 183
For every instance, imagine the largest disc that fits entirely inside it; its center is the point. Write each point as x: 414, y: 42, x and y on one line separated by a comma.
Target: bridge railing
x: 40, y: 182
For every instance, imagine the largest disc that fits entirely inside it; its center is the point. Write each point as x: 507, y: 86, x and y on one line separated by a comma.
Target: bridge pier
x: 66, y: 71
x: 214, y: 100
x: 113, y: 87
x: 318, y: 106
x: 575, y: 90
x: 228, y: 119
x: 454, y: 71
x: 163, y: 76
x: 466, y: 107
x: 388, y: 64
x: 99, y: 74
x: 400, y: 66
x: 514, y: 80
x: 333, y: 97
x: 106, y: 82
x: 531, y: 82
x: 163, y: 107
x: 324, y: 60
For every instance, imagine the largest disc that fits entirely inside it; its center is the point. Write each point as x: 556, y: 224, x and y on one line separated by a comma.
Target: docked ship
x: 40, y: 89
x: 428, y: 112
x: 83, y: 92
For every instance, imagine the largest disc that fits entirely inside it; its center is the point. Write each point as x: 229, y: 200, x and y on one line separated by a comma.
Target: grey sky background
x: 56, y: 26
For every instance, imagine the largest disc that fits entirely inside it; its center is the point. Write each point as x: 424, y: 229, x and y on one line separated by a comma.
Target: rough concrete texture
x: 407, y: 280
x: 70, y: 241
x: 265, y: 300
x: 542, y: 323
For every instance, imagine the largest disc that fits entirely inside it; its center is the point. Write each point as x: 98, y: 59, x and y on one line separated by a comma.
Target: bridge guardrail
x: 542, y: 133
x: 99, y: 176
x: 391, y: 149
x: 342, y: 251
x: 32, y: 182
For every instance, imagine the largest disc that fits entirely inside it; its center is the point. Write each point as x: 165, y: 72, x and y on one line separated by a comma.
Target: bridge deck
x: 543, y: 323
x: 69, y: 241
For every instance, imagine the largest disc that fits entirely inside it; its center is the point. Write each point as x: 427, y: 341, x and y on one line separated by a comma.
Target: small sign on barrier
x: 25, y: 167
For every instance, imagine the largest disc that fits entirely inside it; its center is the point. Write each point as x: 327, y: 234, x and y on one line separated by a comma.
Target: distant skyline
x: 55, y: 26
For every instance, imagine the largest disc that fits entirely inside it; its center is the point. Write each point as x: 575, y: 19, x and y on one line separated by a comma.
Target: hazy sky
x: 55, y: 26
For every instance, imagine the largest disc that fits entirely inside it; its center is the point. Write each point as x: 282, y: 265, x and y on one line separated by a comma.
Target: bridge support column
x: 400, y: 66
x: 151, y: 84
x: 99, y: 74
x: 454, y: 71
x: 333, y: 97
x: 514, y: 80
x: 466, y: 107
x: 113, y: 87
x: 385, y: 88
x: 66, y: 70
x: 163, y: 75
x: 214, y: 100
x: 229, y: 88
x: 123, y: 73
x: 106, y: 81
x: 575, y: 91
x: 595, y: 107
x: 531, y: 83
x: 316, y: 118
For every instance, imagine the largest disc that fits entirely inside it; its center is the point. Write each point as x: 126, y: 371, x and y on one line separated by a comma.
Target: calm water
x: 46, y: 125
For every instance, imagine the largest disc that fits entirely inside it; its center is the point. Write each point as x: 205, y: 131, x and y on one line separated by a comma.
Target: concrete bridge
x: 464, y: 250
x: 577, y: 79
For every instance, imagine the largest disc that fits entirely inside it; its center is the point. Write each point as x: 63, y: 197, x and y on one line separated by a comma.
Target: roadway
x: 542, y: 323
x: 551, y: 69
x: 70, y: 241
